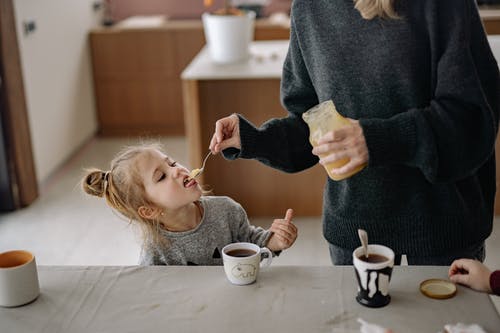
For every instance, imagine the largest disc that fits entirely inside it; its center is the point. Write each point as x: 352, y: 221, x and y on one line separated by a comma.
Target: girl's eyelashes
x: 162, y: 176
x: 171, y: 164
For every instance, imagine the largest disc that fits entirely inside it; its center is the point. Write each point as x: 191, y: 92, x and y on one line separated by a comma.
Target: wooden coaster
x: 438, y: 288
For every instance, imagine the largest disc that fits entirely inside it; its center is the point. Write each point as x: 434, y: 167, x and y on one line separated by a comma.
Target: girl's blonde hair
x: 370, y: 9
x: 123, y: 188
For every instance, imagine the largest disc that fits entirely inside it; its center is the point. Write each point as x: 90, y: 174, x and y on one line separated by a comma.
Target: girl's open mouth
x: 188, y: 181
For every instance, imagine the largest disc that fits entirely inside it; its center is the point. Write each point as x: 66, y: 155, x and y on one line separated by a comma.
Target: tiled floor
x: 67, y: 227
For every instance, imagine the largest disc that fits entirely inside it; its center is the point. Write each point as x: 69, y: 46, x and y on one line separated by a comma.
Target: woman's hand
x: 284, y: 233
x: 346, y: 142
x: 227, y: 134
x: 470, y: 273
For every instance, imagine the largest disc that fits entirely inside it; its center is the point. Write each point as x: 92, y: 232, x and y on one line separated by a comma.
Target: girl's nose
x: 178, y: 170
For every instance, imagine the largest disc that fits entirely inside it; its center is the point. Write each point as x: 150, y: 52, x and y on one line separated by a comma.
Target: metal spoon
x: 363, y: 237
x: 196, y: 172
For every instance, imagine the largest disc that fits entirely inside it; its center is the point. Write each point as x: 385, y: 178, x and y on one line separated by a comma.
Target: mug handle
x: 266, y: 261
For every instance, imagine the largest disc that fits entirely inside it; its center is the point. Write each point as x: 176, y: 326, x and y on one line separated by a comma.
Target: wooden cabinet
x: 137, y: 74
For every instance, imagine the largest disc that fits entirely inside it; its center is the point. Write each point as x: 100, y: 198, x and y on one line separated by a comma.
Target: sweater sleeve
x: 283, y: 143
x: 247, y: 232
x: 454, y: 135
x: 495, y: 282
x: 150, y: 257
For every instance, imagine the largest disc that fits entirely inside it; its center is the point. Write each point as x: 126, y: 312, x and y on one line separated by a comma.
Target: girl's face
x: 165, y: 181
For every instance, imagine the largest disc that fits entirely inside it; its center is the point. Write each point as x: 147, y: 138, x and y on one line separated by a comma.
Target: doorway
x: 6, y: 189
x: 18, y: 182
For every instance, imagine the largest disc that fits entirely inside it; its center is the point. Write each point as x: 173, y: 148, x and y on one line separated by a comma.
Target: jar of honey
x: 322, y: 119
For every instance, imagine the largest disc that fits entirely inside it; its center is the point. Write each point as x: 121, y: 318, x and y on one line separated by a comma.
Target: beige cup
x: 242, y: 262
x: 18, y: 278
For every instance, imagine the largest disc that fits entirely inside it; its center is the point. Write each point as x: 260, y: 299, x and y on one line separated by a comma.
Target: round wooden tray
x: 438, y: 288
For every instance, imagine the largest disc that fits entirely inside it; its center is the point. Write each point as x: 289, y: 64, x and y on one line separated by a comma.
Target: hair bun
x: 94, y: 182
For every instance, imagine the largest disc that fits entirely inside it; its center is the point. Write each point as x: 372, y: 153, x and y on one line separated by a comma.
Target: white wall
x: 56, y: 67
x: 495, y: 46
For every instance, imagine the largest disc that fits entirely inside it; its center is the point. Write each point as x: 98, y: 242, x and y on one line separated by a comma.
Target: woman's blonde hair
x: 370, y: 9
x: 123, y: 188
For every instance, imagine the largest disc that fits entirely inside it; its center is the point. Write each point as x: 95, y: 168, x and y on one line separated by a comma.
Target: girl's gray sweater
x: 425, y: 89
x: 224, y: 221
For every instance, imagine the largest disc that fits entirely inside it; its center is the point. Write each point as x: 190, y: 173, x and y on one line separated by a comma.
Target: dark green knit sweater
x: 426, y: 90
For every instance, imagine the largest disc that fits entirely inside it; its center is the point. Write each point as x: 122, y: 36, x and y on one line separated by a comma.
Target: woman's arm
x: 454, y: 135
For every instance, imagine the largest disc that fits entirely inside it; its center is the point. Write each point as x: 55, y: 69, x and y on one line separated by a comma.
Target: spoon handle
x: 363, y: 237
x: 205, y: 160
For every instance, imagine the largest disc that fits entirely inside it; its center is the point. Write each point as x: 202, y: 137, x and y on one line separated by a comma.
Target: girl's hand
x: 227, y: 134
x: 284, y: 233
x: 346, y: 142
x: 470, y: 273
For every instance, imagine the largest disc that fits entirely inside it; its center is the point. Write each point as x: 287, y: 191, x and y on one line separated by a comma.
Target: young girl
x: 180, y: 226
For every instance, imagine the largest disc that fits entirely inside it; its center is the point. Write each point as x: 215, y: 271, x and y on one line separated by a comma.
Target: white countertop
x: 489, y: 12
x: 200, y: 299
x: 494, y: 41
x: 265, y: 62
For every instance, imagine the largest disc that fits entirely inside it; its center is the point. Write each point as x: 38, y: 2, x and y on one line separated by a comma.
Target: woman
x: 420, y: 85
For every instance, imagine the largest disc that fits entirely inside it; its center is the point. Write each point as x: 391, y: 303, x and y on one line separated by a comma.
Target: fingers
x: 335, y: 135
x: 330, y: 146
x: 284, y: 232
x: 461, y: 279
x: 347, y: 148
x: 342, y: 133
x: 460, y: 266
x: 284, y: 243
x: 226, y: 134
x: 346, y: 143
x: 335, y: 155
x: 227, y: 143
x: 218, y: 136
x: 348, y: 167
x: 220, y: 126
x: 286, y: 236
x: 213, y: 143
x: 284, y: 228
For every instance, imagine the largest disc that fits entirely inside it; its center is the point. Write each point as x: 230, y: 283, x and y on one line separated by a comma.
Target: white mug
x: 242, y: 262
x: 18, y: 278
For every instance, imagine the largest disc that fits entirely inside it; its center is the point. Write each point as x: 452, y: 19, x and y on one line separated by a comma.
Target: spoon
x: 363, y: 237
x: 196, y: 172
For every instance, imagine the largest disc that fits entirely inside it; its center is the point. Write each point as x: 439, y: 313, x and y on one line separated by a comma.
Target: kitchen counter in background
x: 136, y: 70
x: 491, y: 18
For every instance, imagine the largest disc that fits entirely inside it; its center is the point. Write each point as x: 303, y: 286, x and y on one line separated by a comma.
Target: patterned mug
x: 373, y: 274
